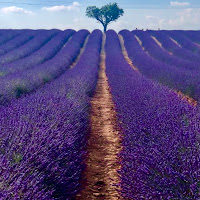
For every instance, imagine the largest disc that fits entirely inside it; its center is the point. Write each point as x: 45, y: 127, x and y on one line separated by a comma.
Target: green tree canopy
x: 106, y: 14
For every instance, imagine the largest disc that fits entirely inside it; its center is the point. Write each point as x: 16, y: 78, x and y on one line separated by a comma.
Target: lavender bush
x: 160, y: 157
x: 14, y: 85
x: 179, y: 79
x: 37, y: 42
x: 171, y: 46
x: 193, y: 35
x: 163, y: 55
x: 7, y: 35
x: 42, y: 153
x: 17, y: 41
x: 184, y: 41
x: 45, y: 53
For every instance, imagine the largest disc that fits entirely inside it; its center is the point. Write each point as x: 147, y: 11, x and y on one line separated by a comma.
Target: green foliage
x: 19, y: 90
x: 46, y: 79
x: 106, y: 14
x: 186, y: 120
x: 17, y: 158
x: 2, y: 73
x: 190, y: 90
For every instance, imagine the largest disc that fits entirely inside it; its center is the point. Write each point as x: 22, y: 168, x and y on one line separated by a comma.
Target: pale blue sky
x: 63, y: 14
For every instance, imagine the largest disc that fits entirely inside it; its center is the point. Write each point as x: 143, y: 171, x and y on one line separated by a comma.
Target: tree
x: 106, y: 14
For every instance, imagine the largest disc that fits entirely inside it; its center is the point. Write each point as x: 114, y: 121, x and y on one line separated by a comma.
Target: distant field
x: 99, y: 116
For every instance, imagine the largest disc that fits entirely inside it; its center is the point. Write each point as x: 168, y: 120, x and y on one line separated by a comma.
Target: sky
x: 65, y: 14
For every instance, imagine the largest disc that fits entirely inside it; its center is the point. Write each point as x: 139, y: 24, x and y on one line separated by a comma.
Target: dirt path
x: 80, y: 53
x: 175, y: 42
x: 160, y: 44
x: 101, y: 177
x: 186, y: 98
x: 125, y: 53
x: 140, y: 42
x: 196, y: 44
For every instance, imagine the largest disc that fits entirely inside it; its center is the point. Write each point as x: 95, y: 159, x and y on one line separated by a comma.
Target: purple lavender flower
x: 44, y: 134
x: 160, y: 157
x: 37, y: 42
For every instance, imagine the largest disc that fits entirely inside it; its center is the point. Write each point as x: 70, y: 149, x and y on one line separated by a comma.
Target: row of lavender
x: 186, y: 81
x: 184, y: 41
x: 46, y: 52
x: 41, y: 37
x: 172, y: 46
x: 15, y: 42
x: 160, y: 156
x: 29, y: 78
x: 13, y: 84
x: 6, y: 35
x: 31, y: 48
x: 44, y: 134
x: 193, y: 35
x: 188, y: 61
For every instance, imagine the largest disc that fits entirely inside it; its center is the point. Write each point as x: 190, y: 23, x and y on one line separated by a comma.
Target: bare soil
x: 186, y: 98
x: 197, y: 44
x: 101, y: 179
x: 175, y: 42
x: 160, y: 44
x: 80, y: 53
x: 140, y: 42
x: 125, y: 54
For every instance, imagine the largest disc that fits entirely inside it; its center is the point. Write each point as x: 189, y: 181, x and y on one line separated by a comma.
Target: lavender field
x: 99, y: 115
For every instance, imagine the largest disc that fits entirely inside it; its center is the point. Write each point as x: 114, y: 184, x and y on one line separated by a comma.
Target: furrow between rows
x: 101, y: 179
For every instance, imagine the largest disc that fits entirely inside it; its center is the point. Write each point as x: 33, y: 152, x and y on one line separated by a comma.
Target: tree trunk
x: 105, y: 27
